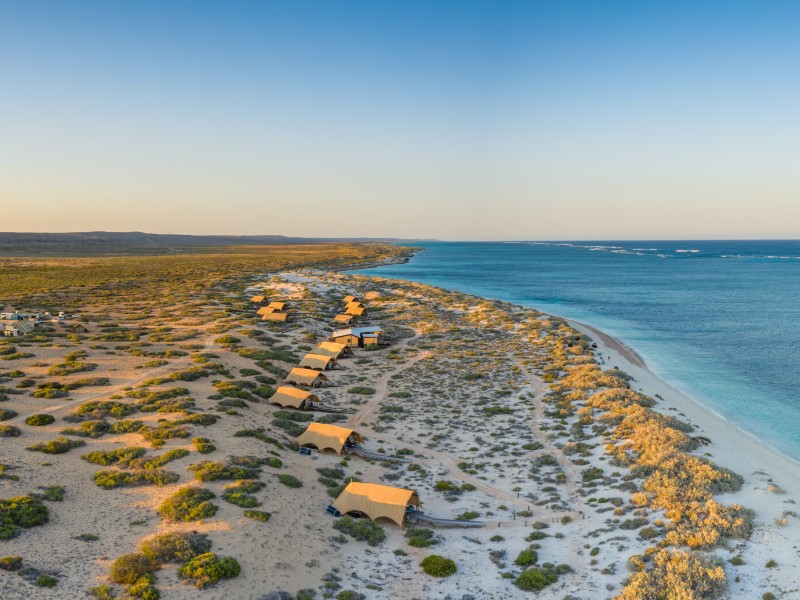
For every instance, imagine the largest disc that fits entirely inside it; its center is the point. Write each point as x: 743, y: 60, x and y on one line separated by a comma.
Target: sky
x: 569, y: 119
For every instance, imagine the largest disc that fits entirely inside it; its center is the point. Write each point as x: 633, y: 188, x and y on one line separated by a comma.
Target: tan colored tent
x: 325, y: 437
x: 354, y: 305
x: 287, y: 395
x: 309, y: 377
x: 372, y: 295
x: 349, y: 299
x: 265, y: 310
x: 333, y: 350
x: 275, y: 316
x: 317, y: 361
x: 344, y: 319
x: 355, y: 311
x: 257, y: 299
x: 277, y: 305
x: 376, y: 501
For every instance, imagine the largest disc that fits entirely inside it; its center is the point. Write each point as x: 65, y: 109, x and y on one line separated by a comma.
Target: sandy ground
x: 459, y: 393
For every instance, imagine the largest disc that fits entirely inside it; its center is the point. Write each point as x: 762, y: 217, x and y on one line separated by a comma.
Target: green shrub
x: 127, y: 426
x: 290, y: 480
x: 144, y: 589
x: 60, y: 445
x: 6, y: 414
x: 203, y: 445
x: 206, y: 569
x: 121, y: 456
x: 535, y: 579
x: 420, y: 537
x: 9, y: 431
x: 438, y: 566
x: 526, y: 558
x: 109, y: 480
x: 209, y: 470
x: 361, y: 390
x: 11, y: 563
x: 90, y: 429
x: 175, y: 547
x: 102, y: 592
x: 101, y: 410
x: 53, y: 493
x: 363, y: 530
x: 189, y: 504
x: 45, y: 580
x: 38, y: 420
x: 258, y: 515
x: 130, y: 568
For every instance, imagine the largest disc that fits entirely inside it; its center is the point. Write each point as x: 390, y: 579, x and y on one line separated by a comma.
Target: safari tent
x: 265, y: 310
x: 377, y: 501
x: 309, y: 377
x: 288, y: 396
x: 349, y: 299
x: 275, y: 316
x: 257, y: 299
x: 325, y: 437
x: 354, y: 305
x: 318, y: 362
x: 277, y: 305
x: 372, y: 295
x: 356, y: 312
x: 333, y: 350
x: 343, y: 319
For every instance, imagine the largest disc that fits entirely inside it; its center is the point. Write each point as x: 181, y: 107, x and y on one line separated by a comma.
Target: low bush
x: 6, y: 414
x: 21, y: 512
x: 290, y: 480
x: 121, y: 456
x: 38, y: 420
x: 438, y: 566
x: 535, y: 579
x: 175, y: 547
x: 207, y: 569
x: 11, y: 563
x: 130, y: 568
x: 9, y: 431
x: 209, y: 470
x: 45, y: 580
x: 363, y: 530
x: 203, y: 445
x: 361, y: 390
x: 526, y: 558
x: 60, y: 445
x: 420, y: 537
x: 109, y: 480
x: 189, y: 504
x: 90, y: 429
x: 258, y: 515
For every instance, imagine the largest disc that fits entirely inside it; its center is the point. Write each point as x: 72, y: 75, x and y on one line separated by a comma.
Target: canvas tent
x: 333, y: 350
x: 372, y: 295
x: 277, y: 305
x: 376, y: 501
x: 309, y: 377
x: 343, y: 319
x: 356, y: 311
x: 275, y: 316
x: 325, y: 437
x: 264, y: 310
x: 287, y: 395
x: 319, y: 362
x: 349, y: 299
x: 353, y: 305
x: 257, y: 299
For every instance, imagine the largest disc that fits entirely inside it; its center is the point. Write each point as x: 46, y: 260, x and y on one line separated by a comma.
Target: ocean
x: 716, y: 319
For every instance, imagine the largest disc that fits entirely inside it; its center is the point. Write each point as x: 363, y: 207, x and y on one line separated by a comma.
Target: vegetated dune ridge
x: 506, y: 415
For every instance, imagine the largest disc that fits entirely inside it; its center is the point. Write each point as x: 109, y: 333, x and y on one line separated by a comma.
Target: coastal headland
x: 139, y: 431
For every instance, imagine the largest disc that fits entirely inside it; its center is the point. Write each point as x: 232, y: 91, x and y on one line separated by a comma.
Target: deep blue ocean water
x: 716, y: 319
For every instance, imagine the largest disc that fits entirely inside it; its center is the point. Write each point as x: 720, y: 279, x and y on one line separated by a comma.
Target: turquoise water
x: 718, y: 320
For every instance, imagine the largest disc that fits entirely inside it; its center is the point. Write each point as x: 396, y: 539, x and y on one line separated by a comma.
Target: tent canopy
x: 343, y: 319
x: 355, y: 311
x: 257, y: 299
x: 372, y: 295
x: 265, y: 310
x: 287, y: 395
x: 354, y: 304
x: 349, y: 299
x: 277, y: 305
x: 274, y: 316
x: 317, y: 361
x: 376, y: 501
x: 325, y: 436
x: 302, y: 376
x: 332, y: 349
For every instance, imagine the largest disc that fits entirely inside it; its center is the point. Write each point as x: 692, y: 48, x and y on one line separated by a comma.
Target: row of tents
x: 371, y: 499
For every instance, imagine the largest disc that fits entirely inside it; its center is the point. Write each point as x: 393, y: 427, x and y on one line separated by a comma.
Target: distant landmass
x: 127, y: 242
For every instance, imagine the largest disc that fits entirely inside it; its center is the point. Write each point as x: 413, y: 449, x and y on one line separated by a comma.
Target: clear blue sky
x: 454, y: 120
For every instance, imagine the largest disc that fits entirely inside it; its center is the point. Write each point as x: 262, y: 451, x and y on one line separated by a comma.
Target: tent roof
x: 274, y: 316
x: 287, y: 395
x: 355, y: 310
x: 372, y: 295
x: 348, y: 299
x: 354, y: 304
x: 257, y: 299
x: 375, y: 500
x: 316, y: 361
x: 331, y: 349
x: 265, y: 310
x: 323, y: 436
x: 305, y: 376
x: 277, y: 305
x: 343, y: 318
